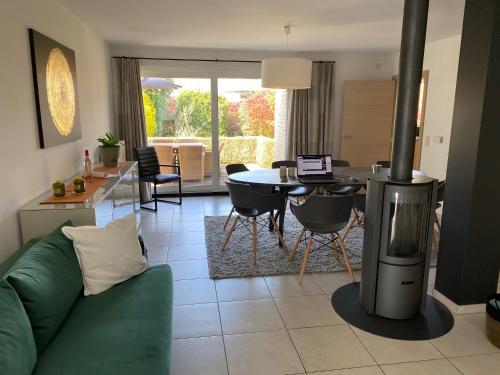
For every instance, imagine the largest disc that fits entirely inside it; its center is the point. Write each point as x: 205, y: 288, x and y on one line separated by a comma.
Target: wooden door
x: 367, y: 121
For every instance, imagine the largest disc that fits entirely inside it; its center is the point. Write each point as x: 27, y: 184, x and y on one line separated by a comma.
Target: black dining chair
x: 149, y: 171
x: 283, y: 163
x: 235, y: 168
x: 344, y: 189
x: 322, y: 218
x: 230, y: 169
x: 251, y: 204
x: 340, y: 163
x: 298, y: 193
x: 358, y: 214
x: 439, y: 204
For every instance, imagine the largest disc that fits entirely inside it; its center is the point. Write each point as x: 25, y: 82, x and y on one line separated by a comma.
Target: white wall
x: 27, y: 170
x: 349, y: 66
x: 441, y: 60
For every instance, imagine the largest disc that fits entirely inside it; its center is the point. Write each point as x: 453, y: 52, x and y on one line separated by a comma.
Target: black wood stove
x: 399, y: 220
x: 400, y: 210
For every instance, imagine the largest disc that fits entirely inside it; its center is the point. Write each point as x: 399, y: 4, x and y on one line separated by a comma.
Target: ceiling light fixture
x: 286, y: 72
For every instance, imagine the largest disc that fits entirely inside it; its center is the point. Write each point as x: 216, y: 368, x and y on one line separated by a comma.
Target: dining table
x: 343, y: 176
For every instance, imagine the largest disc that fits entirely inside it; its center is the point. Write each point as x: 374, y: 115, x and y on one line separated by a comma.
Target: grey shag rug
x: 236, y: 259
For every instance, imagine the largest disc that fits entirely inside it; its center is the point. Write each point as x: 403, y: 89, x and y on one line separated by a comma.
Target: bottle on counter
x: 87, y: 167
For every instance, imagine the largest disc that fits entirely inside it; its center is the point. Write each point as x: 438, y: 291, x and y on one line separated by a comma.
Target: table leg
x: 271, y: 228
x: 284, y: 193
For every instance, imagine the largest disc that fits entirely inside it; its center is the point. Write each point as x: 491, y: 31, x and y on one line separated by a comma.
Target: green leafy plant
x: 149, y: 115
x: 109, y: 140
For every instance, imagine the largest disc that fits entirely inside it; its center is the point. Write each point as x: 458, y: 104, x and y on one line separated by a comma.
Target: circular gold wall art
x: 60, y: 92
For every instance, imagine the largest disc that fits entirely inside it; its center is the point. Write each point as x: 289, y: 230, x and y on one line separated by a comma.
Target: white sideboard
x: 118, y: 197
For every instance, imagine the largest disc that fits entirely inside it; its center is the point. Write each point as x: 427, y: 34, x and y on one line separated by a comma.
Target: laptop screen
x: 314, y: 165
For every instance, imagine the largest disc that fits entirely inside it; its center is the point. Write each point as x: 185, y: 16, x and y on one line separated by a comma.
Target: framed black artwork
x: 54, y: 79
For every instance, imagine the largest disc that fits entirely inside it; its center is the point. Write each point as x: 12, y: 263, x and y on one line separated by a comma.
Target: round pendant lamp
x: 286, y: 72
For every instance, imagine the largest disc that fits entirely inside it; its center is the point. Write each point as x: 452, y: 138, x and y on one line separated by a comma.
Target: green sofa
x: 49, y: 327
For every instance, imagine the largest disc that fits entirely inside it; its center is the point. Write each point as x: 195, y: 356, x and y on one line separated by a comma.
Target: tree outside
x: 246, y: 117
x: 188, y: 114
x: 158, y: 99
x: 257, y: 114
x: 233, y: 119
x: 150, y: 115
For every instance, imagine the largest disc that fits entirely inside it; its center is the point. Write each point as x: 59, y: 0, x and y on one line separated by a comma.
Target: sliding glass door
x: 178, y: 115
x: 181, y: 126
x: 246, y: 123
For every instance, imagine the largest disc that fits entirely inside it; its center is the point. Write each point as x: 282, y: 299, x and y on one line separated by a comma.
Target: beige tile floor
x: 272, y: 325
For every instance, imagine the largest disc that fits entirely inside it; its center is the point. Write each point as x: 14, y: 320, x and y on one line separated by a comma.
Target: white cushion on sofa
x: 107, y: 255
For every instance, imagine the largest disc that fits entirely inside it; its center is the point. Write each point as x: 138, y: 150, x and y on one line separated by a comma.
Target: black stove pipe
x: 410, y: 74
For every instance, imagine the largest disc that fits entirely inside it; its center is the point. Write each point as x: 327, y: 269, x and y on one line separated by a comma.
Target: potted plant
x: 109, y: 150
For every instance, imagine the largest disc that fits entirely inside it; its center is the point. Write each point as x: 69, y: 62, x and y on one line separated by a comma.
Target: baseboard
x: 458, y: 309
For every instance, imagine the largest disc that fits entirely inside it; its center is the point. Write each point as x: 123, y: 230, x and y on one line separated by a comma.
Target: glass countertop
x: 100, y: 194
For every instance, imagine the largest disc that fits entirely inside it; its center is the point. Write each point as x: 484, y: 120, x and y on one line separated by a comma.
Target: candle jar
x: 79, y: 185
x: 58, y: 189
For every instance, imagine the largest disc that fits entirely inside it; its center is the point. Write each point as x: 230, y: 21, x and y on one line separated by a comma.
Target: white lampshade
x: 286, y: 73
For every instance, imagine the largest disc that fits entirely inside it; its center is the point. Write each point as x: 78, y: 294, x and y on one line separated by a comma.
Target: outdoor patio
x: 194, y: 155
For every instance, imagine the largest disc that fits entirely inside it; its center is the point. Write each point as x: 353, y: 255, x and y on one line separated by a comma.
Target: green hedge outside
x: 238, y: 149
x: 243, y: 149
x: 265, y: 151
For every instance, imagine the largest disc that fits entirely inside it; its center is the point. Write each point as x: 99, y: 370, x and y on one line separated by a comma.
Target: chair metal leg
x: 297, y: 243
x: 346, y: 258
x: 228, y: 237
x: 280, y: 236
x: 334, y: 248
x: 155, y: 197
x: 229, y: 217
x: 306, y: 257
x: 142, y: 207
x: 180, y: 191
x: 254, y: 237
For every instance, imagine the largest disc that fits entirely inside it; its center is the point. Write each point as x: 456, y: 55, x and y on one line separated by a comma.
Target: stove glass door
x: 406, y: 221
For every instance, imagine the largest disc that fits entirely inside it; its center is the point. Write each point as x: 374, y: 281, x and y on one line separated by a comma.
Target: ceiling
x: 317, y: 25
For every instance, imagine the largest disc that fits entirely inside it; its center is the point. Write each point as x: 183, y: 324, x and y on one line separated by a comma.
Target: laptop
x: 315, y: 169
